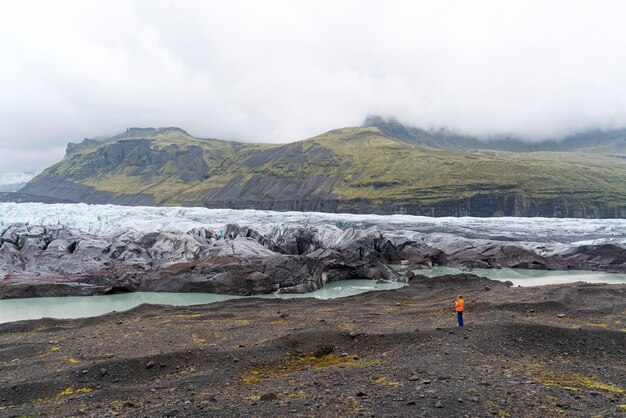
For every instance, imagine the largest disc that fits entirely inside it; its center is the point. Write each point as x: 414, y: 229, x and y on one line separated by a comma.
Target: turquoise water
x: 86, y: 306
x: 526, y: 277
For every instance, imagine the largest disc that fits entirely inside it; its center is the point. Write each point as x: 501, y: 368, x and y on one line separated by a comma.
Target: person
x: 460, y: 306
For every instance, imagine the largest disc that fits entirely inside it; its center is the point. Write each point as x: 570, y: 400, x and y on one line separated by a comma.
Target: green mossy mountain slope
x: 361, y: 169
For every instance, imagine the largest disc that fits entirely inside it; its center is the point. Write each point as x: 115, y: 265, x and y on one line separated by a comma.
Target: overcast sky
x: 279, y: 71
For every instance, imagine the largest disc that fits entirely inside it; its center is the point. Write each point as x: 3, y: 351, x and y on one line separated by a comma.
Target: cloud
x: 279, y: 71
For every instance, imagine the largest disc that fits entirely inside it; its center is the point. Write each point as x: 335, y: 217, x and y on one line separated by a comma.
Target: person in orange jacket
x: 460, y: 306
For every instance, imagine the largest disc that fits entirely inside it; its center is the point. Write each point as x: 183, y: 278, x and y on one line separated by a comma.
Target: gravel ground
x: 524, y: 352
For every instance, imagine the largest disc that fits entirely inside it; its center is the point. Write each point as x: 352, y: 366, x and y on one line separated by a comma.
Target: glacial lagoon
x: 528, y: 277
x: 88, y: 306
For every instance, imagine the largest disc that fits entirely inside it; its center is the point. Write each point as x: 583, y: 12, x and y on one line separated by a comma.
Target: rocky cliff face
x: 478, y: 206
x: 354, y: 170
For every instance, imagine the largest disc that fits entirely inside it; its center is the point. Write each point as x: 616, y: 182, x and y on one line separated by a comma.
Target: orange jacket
x: 460, y: 305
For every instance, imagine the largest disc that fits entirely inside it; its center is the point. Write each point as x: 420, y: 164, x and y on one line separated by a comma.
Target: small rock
x: 344, y: 354
x: 323, y: 350
x: 270, y: 396
x: 150, y: 365
x: 460, y: 400
x: 410, y: 403
x: 561, y: 315
x: 425, y: 382
x: 360, y: 394
x: 438, y: 404
x: 353, y: 334
x: 413, y: 378
x: 103, y: 372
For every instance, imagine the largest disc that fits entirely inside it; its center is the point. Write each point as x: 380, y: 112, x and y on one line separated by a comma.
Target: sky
x: 281, y: 71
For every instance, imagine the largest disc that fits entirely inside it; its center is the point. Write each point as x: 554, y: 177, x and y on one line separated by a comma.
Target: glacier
x: 82, y: 249
x: 109, y: 220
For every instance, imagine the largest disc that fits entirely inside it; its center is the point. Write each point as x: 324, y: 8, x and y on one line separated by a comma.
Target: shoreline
x: 179, y: 297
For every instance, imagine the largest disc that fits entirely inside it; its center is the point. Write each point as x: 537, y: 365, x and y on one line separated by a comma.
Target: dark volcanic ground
x: 525, y: 352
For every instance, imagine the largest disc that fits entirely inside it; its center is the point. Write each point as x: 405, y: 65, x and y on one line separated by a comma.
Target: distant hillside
x: 387, y: 168
x: 603, y: 142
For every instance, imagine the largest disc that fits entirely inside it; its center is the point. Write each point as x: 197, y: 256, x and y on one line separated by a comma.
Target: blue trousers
x: 459, y: 317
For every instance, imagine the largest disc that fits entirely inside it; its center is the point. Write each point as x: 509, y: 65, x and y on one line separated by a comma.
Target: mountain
x: 596, y: 141
x: 383, y: 167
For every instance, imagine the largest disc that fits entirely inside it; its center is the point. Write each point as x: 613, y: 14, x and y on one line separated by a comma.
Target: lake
x: 86, y: 306
x: 527, y: 277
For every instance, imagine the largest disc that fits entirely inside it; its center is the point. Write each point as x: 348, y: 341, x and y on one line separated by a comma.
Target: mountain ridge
x: 365, y: 169
x: 598, y: 140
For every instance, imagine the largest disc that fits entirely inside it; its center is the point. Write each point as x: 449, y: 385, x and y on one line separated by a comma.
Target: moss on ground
x: 71, y: 391
x: 298, y: 363
x: 573, y: 381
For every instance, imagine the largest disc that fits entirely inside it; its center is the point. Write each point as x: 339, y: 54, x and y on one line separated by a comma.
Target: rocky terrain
x: 38, y: 261
x: 57, y: 260
x: 382, y: 167
x: 550, y: 351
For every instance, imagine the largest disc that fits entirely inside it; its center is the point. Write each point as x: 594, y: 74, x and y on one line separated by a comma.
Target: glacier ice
x: 543, y: 235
